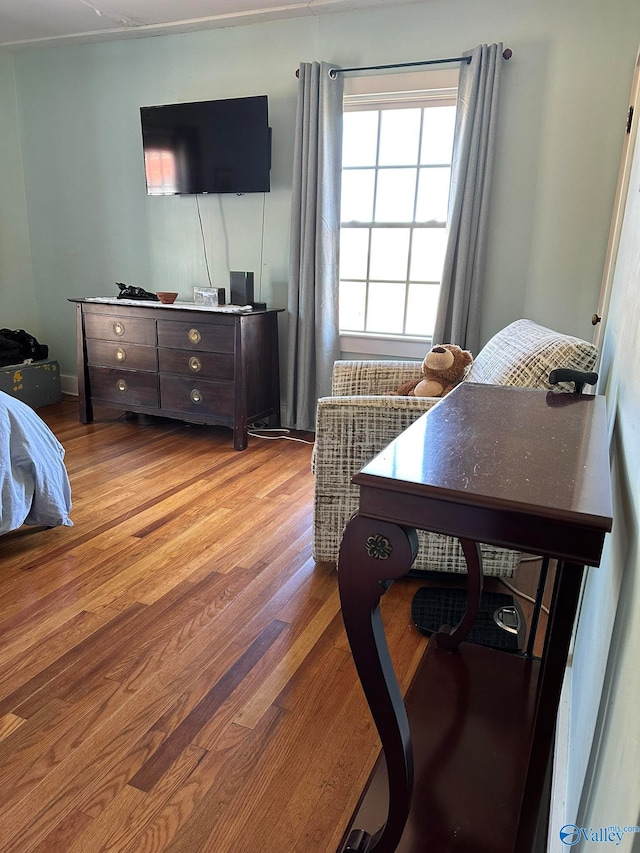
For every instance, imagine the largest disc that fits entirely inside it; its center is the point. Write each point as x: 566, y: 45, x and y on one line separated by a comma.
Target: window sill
x: 384, y: 345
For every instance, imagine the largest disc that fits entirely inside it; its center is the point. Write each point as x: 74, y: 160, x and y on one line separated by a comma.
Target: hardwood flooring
x: 174, y: 674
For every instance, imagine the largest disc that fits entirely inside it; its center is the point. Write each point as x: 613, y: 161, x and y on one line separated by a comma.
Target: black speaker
x: 241, y: 288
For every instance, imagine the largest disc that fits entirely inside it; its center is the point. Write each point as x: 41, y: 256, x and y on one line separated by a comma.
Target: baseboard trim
x: 69, y: 385
x: 560, y: 775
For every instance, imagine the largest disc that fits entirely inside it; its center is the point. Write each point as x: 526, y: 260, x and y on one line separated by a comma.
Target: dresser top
x: 175, y: 306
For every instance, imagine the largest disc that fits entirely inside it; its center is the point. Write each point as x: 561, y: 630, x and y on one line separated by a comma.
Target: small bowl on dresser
x: 166, y: 297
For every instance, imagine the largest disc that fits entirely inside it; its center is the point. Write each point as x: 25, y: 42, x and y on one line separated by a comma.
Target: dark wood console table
x: 182, y: 361
x: 465, y: 754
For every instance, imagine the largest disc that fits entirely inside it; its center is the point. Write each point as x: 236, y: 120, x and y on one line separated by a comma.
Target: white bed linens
x: 34, y: 484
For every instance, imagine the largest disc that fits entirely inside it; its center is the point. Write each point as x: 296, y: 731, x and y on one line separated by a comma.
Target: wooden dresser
x: 181, y: 361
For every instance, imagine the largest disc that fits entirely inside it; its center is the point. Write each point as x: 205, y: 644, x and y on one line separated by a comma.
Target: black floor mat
x: 433, y: 607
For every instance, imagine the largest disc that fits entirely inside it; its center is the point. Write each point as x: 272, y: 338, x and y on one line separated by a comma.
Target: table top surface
x: 540, y: 452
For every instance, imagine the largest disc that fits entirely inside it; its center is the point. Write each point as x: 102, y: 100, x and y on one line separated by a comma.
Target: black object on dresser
x: 182, y: 361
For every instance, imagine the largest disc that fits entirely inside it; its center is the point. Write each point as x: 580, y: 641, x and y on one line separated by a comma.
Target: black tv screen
x: 219, y: 146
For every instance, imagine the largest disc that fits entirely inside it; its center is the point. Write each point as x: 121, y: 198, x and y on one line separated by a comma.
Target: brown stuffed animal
x: 444, y: 367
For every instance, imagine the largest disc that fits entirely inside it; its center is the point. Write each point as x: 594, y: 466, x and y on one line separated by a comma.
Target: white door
x: 632, y: 121
x: 593, y: 729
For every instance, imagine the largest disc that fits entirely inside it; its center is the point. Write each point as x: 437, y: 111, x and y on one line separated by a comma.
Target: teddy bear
x: 444, y: 367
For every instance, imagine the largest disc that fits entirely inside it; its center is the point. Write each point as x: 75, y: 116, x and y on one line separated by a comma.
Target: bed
x: 34, y: 485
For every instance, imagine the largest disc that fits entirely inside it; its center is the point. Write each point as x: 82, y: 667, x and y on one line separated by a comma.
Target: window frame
x: 403, y: 90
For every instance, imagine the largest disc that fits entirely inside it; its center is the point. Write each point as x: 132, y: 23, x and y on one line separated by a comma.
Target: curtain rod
x: 506, y: 54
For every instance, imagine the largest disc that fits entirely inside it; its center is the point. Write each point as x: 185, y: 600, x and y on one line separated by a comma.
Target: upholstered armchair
x: 358, y: 421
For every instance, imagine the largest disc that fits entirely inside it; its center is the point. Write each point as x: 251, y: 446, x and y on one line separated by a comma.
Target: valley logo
x: 571, y: 834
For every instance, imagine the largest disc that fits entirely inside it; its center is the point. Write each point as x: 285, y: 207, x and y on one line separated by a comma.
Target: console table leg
x: 564, y: 606
x: 450, y: 638
x: 372, y: 555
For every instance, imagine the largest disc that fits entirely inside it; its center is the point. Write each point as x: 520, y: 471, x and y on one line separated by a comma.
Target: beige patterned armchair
x: 358, y: 421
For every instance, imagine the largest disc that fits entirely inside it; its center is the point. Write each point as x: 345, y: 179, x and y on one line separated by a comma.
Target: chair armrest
x: 349, y: 432
x: 352, y: 430
x: 372, y: 377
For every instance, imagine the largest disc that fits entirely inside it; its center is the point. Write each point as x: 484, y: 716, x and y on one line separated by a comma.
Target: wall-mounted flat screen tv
x: 219, y: 146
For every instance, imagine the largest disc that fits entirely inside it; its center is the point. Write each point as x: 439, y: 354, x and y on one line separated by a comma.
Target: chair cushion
x: 524, y: 354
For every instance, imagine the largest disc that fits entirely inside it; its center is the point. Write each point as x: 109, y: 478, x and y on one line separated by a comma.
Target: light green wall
x: 17, y: 301
x: 608, y: 636
x: 91, y: 224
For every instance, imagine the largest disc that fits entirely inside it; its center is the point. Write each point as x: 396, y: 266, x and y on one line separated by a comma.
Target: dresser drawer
x: 193, y: 335
x: 107, y: 327
x: 196, y: 396
x: 124, y: 387
x: 205, y: 365
x: 129, y: 356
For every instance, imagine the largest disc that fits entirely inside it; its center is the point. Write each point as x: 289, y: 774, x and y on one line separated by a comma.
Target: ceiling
x: 33, y: 23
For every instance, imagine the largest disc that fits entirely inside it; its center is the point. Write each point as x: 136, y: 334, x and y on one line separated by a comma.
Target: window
x: 160, y: 171
x: 395, y: 187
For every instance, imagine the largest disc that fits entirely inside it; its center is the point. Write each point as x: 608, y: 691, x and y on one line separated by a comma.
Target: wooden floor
x: 174, y: 675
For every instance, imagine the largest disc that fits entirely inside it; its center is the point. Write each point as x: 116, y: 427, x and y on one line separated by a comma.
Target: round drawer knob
x: 121, y: 385
x: 118, y: 328
x: 121, y: 355
x: 195, y: 364
x: 194, y: 336
x: 196, y: 396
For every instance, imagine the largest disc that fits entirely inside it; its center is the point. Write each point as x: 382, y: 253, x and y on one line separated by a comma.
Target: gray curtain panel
x: 313, y: 342
x: 458, y: 315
